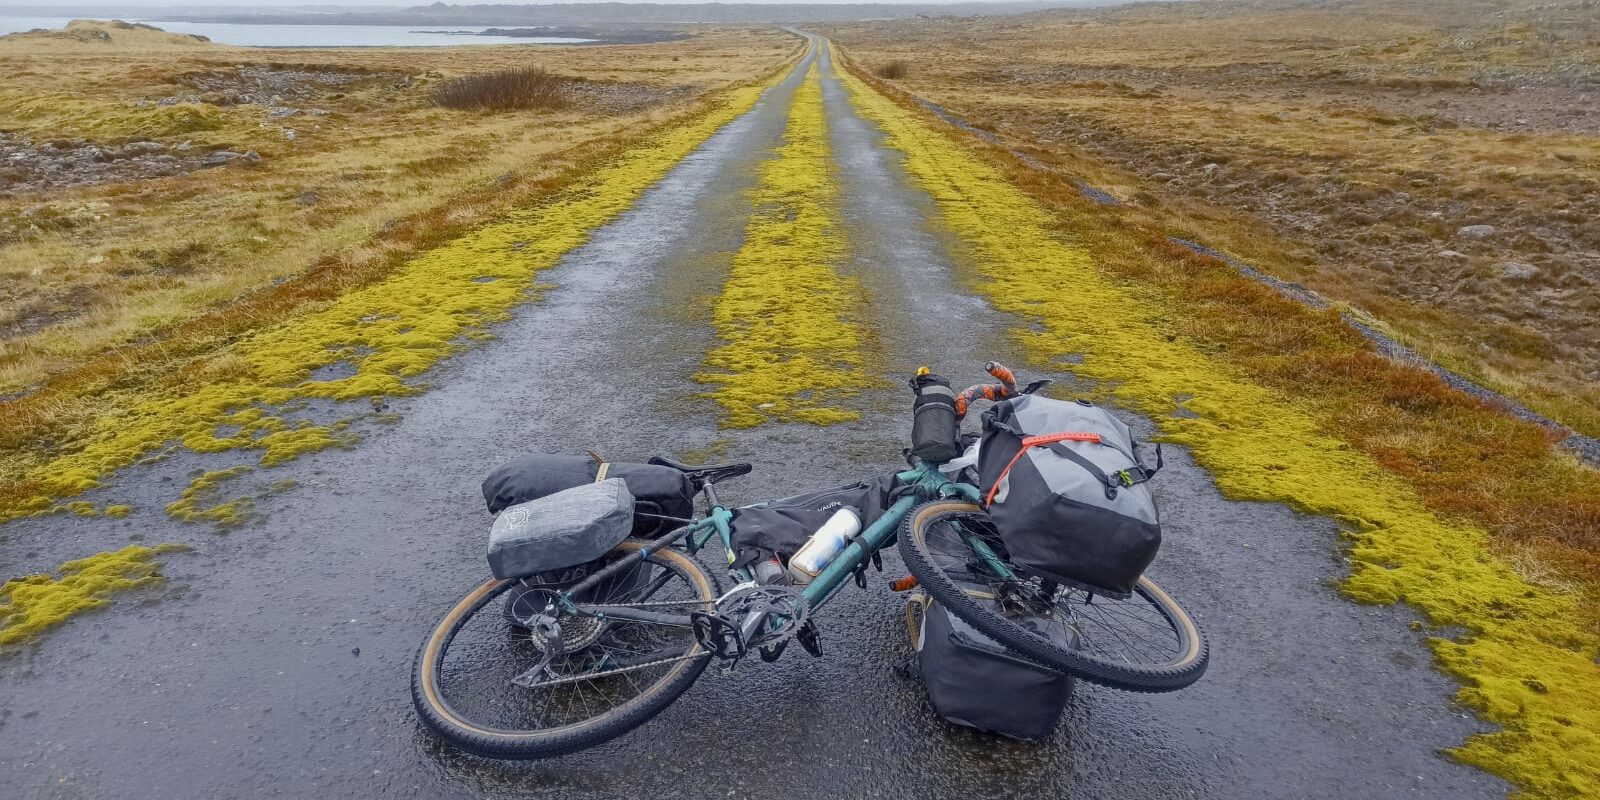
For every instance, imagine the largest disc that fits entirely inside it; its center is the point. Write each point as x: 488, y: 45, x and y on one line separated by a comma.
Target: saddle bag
x: 657, y: 491
x: 1067, y: 490
x: 976, y: 682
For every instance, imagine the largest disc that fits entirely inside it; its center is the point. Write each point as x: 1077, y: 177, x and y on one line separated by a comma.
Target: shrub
x: 892, y: 70
x: 529, y: 87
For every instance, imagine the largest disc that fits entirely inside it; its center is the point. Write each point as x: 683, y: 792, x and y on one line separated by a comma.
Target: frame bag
x: 977, y: 682
x: 1067, y: 491
x: 656, y: 490
x: 781, y: 527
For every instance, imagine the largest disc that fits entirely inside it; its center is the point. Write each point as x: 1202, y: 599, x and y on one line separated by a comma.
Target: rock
x: 288, y: 133
x: 1517, y: 271
x: 1476, y: 231
x: 1163, y: 176
x: 252, y: 156
x: 280, y: 112
x: 220, y: 157
x: 1211, y: 170
x: 308, y: 198
x: 1452, y: 255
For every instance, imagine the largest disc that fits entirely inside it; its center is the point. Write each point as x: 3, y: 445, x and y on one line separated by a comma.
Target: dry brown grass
x: 191, y: 263
x: 892, y: 70
x: 374, y: 172
x: 505, y: 90
x: 1339, y: 146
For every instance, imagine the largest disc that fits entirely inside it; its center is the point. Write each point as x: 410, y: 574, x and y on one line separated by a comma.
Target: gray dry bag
x: 1067, y: 491
x: 560, y: 530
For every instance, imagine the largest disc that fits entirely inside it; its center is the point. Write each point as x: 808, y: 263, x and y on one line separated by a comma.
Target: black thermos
x: 935, y: 431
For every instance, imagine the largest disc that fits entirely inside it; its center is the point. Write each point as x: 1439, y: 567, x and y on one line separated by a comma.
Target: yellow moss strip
x: 1526, y: 663
x: 204, y: 489
x: 387, y: 332
x: 791, y: 351
x: 31, y: 605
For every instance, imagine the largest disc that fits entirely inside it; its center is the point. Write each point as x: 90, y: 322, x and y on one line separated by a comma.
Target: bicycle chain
x: 618, y: 671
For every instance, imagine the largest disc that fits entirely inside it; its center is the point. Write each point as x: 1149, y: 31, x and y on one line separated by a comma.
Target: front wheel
x: 1145, y: 643
x: 491, y: 685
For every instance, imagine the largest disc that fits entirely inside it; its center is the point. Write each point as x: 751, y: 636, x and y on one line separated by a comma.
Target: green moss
x: 31, y: 605
x: 1525, y: 662
x: 790, y: 350
x: 118, y: 511
x: 190, y: 506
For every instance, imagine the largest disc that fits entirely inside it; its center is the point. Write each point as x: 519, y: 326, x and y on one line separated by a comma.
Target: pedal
x: 810, y: 639
x: 717, y: 635
x: 772, y: 653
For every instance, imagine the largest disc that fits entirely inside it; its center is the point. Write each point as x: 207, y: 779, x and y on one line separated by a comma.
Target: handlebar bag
x: 560, y: 530
x: 657, y: 491
x: 1068, y: 493
x: 976, y: 682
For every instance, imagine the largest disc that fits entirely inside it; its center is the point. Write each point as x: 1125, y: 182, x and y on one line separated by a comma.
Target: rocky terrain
x: 29, y: 167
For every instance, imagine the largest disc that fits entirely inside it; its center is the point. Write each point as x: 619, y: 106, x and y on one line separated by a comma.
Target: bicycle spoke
x: 609, y: 662
x: 1135, y: 630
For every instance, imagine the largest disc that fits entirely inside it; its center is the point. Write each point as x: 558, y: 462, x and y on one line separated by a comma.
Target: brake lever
x: 1036, y: 386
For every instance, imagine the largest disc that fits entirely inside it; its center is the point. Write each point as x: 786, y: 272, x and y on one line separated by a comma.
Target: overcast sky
x: 34, y: 6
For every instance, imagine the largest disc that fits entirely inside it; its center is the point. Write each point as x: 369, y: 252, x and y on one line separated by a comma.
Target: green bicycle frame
x: 926, y: 483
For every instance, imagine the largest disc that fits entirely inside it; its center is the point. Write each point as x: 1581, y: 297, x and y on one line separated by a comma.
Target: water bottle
x: 824, y: 545
x: 935, y: 431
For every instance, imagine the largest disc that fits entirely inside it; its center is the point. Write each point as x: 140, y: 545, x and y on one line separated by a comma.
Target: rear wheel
x: 1145, y: 643
x: 487, y: 682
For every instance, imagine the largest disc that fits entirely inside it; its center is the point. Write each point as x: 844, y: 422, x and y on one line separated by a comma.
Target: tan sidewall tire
x: 1181, y: 672
x: 497, y: 743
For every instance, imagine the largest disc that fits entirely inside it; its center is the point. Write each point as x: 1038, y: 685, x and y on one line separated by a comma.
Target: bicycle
x: 577, y: 657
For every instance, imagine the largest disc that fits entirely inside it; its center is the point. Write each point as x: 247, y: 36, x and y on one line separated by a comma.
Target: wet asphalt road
x: 275, y: 661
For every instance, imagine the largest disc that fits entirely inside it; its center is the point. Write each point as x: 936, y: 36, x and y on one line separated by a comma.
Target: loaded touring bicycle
x: 1030, y: 544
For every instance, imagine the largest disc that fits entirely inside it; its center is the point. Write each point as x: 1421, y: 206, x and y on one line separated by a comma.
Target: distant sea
x: 307, y: 35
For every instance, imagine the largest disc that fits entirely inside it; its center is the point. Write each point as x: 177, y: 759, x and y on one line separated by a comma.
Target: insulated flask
x: 935, y: 431
x: 829, y: 541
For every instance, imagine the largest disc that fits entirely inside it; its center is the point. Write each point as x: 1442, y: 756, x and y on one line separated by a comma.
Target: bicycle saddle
x: 704, y: 475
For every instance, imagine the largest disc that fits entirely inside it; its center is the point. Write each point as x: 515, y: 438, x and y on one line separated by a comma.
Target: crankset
x: 749, y: 616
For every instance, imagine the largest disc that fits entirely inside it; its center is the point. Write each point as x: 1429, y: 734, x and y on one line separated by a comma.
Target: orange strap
x: 1037, y: 441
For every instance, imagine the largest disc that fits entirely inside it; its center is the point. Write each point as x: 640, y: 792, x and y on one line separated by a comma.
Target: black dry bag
x: 973, y: 680
x: 935, y: 431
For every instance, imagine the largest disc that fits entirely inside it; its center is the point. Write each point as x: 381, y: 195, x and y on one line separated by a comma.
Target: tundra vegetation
x: 1434, y: 163
x: 337, y: 214
x: 1450, y: 504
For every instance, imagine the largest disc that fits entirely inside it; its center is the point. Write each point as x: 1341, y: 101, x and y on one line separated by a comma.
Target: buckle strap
x: 1121, y: 479
x: 1052, y: 441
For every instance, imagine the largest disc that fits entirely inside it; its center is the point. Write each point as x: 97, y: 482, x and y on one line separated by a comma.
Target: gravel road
x: 275, y: 661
